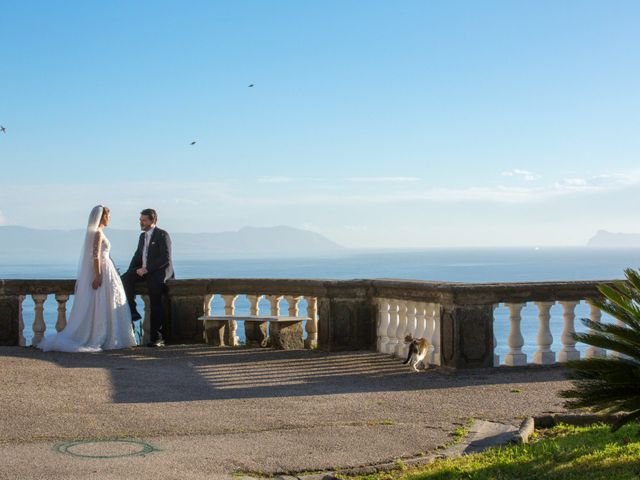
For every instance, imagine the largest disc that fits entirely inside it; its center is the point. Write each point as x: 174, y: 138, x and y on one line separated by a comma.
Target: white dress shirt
x: 145, y: 249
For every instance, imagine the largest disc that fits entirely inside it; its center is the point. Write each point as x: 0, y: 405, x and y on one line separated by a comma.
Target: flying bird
x: 2, y: 129
x: 251, y: 85
x: 193, y: 143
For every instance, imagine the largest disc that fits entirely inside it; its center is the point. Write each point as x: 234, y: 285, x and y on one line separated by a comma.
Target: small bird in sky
x: 193, y: 143
x: 2, y: 129
x: 251, y: 85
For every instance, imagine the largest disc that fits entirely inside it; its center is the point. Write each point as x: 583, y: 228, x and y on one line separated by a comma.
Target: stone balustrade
x: 457, y: 319
x: 13, y: 293
x: 399, y: 318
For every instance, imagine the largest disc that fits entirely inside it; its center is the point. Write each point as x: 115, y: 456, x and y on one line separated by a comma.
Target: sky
x: 379, y: 124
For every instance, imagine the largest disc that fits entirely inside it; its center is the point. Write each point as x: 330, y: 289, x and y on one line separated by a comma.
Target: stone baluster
x: 294, y: 303
x: 21, y: 340
x: 383, y: 324
x: 230, y: 309
x: 254, y: 304
x: 311, y: 326
x: 435, y: 339
x: 496, y: 357
x: 208, y: 299
x: 393, y: 327
x: 146, y: 321
x: 544, y: 355
x: 568, y: 351
x: 62, y: 312
x: 229, y: 304
x: 401, y: 346
x: 515, y: 357
x: 39, y: 327
x: 595, y: 315
x: 411, y: 320
x: 430, y: 326
x: 274, y: 302
x: 421, y: 323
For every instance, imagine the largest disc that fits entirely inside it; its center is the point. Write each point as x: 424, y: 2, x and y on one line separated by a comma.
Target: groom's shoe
x: 157, y: 343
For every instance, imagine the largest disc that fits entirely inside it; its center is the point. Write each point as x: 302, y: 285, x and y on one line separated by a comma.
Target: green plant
x: 611, y: 385
x: 562, y: 453
x: 459, y: 433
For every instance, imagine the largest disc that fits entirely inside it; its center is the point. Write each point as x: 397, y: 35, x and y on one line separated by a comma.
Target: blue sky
x: 376, y: 123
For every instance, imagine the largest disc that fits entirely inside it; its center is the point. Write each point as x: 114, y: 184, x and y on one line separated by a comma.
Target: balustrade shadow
x: 183, y: 373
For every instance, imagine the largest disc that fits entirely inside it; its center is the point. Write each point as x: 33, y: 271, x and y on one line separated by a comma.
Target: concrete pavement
x: 207, y: 412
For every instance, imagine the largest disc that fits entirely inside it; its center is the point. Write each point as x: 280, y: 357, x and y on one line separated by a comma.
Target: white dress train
x: 100, y: 319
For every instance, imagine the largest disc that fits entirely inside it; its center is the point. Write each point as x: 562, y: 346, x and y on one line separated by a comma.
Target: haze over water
x: 478, y: 265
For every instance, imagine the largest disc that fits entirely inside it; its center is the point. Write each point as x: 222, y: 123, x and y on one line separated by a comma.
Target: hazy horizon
x: 356, y: 248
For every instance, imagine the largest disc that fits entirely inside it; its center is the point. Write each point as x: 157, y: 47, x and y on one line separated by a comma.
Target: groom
x: 150, y: 264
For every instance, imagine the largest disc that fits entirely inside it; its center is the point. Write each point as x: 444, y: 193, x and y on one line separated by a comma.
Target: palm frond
x: 611, y: 384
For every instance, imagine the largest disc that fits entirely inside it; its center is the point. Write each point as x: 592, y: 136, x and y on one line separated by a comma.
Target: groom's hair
x: 151, y: 213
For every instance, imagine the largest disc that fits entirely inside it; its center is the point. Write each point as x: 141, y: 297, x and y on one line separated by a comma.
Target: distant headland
x: 20, y: 244
x: 604, y: 238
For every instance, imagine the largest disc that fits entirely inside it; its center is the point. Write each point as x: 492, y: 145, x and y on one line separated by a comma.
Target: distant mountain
x: 21, y: 244
x: 608, y: 239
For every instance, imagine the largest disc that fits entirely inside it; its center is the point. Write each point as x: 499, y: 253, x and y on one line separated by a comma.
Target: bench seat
x: 284, y: 332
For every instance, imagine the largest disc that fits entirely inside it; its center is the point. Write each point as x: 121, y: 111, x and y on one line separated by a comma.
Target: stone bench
x: 284, y: 333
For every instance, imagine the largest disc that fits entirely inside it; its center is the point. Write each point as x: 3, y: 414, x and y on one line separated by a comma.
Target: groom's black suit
x: 159, y: 270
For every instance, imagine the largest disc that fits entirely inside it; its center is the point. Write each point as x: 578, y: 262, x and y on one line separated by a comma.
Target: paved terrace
x: 213, y: 412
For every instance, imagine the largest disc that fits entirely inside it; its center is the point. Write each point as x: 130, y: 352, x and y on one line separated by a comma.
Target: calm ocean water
x: 460, y: 265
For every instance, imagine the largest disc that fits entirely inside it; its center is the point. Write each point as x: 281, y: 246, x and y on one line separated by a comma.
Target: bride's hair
x: 105, y: 212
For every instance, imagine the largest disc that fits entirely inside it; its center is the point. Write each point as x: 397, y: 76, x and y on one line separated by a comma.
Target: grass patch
x: 561, y: 453
x: 459, y: 433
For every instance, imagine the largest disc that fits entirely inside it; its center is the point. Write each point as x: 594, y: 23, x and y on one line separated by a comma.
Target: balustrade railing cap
x: 430, y: 291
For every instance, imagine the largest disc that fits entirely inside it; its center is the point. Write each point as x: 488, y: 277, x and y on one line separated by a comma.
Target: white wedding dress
x: 100, y: 319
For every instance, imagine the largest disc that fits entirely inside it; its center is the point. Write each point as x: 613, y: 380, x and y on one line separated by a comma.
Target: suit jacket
x: 159, y: 264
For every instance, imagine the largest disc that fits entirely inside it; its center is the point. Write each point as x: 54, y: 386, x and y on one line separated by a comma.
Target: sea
x: 472, y: 265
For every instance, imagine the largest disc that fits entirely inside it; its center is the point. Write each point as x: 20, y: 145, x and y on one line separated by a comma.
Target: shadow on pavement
x: 181, y: 373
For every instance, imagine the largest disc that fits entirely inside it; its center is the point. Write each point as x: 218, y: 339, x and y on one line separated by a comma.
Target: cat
x: 418, y: 349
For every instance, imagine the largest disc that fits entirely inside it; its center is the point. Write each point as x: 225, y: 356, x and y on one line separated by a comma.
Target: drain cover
x: 105, y: 448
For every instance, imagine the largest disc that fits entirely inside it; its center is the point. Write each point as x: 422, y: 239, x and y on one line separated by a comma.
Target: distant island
x: 22, y: 244
x: 604, y: 238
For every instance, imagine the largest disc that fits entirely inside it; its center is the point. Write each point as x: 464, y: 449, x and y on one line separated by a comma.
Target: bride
x: 100, y: 318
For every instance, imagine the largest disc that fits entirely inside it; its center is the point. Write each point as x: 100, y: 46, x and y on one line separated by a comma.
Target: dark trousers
x: 155, y: 290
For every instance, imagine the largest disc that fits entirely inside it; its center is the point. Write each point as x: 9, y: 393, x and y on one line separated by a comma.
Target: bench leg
x: 286, y: 335
x: 214, y: 333
x: 256, y: 333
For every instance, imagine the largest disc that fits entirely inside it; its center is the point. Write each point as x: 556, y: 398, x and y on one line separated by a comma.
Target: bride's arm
x: 97, y: 245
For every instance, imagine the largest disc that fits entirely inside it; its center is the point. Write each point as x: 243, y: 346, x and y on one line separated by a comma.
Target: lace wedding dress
x: 100, y: 319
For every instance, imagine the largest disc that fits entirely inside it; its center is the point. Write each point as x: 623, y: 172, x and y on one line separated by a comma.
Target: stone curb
x: 529, y: 424
x: 576, y: 419
x: 524, y: 432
